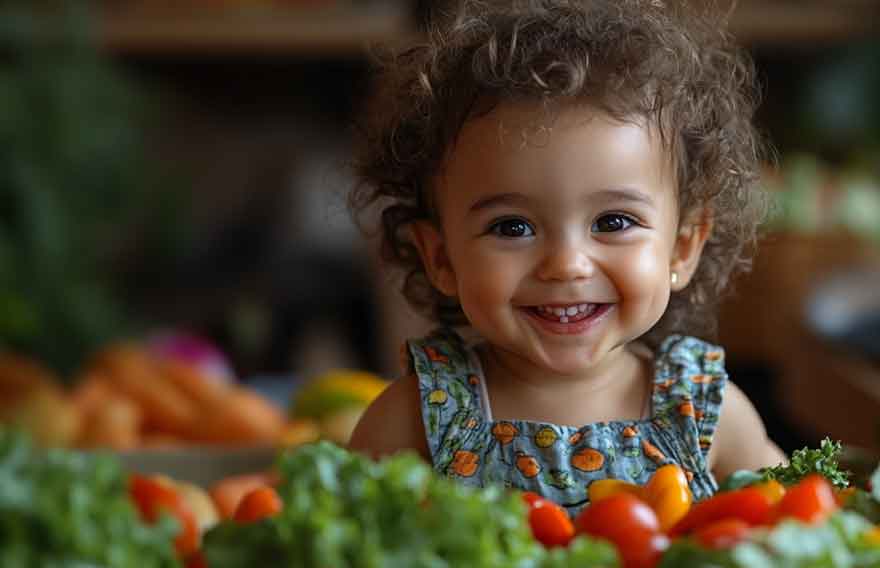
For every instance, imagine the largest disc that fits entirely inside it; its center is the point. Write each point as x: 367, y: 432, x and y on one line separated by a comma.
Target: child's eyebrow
x: 623, y: 194
x: 490, y: 201
x: 604, y: 195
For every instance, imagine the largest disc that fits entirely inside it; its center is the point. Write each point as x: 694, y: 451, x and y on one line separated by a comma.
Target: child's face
x: 579, y: 220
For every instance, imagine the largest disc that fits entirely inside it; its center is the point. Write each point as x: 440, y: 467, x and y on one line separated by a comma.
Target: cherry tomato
x: 531, y: 498
x: 549, y: 522
x: 630, y: 524
x: 153, y: 497
x: 228, y: 492
x: 722, y: 534
x: 772, y: 489
x: 261, y: 503
x: 844, y: 495
x: 811, y: 500
x: 748, y: 504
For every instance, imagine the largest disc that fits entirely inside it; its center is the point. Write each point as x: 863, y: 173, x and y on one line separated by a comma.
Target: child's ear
x: 693, y: 232
x: 432, y: 248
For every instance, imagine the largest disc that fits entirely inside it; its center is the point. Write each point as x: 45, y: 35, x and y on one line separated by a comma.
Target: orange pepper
x: 604, y: 488
x: 667, y: 492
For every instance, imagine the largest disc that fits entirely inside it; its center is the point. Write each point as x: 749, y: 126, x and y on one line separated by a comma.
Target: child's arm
x: 392, y: 422
x: 740, y: 440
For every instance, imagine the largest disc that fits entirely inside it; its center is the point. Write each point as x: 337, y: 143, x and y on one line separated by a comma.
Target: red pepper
x: 749, y: 504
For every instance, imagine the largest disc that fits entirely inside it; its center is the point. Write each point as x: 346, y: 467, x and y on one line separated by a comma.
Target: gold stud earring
x: 673, y: 278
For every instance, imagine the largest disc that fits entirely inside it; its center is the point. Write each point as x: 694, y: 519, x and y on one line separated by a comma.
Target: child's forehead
x: 530, y: 145
x: 517, y: 123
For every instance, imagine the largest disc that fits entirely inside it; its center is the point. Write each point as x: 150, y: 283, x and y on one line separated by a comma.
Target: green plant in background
x: 810, y: 197
x: 72, y: 184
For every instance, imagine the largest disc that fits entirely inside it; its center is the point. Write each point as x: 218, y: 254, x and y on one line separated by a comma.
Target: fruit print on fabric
x: 559, y: 461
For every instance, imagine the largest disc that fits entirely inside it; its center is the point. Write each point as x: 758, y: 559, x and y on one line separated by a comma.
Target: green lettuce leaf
x: 341, y: 509
x: 60, y: 509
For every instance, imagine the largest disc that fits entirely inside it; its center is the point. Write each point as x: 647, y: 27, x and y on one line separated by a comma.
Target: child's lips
x: 561, y: 319
x: 567, y: 313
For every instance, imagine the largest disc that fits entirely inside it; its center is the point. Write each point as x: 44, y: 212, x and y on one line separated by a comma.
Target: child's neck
x: 619, y: 389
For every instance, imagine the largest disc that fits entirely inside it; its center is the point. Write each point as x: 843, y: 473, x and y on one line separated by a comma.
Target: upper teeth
x: 559, y: 311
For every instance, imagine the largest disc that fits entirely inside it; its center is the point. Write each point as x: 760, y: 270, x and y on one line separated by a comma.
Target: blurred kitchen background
x: 177, y: 171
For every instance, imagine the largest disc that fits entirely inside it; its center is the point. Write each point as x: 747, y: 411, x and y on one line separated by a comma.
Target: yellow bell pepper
x: 667, y: 492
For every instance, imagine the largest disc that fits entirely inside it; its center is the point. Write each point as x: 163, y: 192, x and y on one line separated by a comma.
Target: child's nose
x: 566, y: 261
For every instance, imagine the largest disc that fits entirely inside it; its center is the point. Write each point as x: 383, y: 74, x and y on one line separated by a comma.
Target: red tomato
x: 748, y: 504
x: 152, y: 496
x: 549, y: 522
x: 196, y: 560
x: 531, y: 498
x: 722, y: 534
x: 261, y: 503
x: 630, y: 524
x: 811, y: 500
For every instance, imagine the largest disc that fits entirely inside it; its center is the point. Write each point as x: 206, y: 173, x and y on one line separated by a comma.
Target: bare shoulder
x: 741, y: 440
x: 393, y: 422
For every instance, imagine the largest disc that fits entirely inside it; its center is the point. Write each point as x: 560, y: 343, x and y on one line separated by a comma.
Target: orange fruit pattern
x: 653, y: 452
x: 465, y: 463
x: 588, y: 459
x: 527, y: 465
x: 504, y: 432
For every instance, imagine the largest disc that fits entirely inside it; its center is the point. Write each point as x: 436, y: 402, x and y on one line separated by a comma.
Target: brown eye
x: 512, y: 229
x: 612, y: 223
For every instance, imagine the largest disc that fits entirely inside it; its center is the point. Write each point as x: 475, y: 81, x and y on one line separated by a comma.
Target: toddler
x: 568, y: 186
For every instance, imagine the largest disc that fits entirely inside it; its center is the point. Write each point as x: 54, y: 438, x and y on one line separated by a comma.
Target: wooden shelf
x: 342, y: 29
x: 315, y: 31
x: 803, y: 22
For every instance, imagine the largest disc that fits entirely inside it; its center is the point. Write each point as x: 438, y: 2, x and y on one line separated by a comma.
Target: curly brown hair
x: 675, y: 67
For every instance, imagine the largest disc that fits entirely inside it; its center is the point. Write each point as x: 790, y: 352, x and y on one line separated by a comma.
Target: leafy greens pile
x: 839, y: 542
x: 59, y: 509
x: 824, y: 461
x: 341, y: 509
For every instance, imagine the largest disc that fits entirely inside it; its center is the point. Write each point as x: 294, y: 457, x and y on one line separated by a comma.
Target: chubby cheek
x: 643, y: 284
x: 484, y: 288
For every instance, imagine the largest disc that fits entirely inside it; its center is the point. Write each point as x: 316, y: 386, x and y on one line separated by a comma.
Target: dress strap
x: 449, y: 384
x: 689, y: 386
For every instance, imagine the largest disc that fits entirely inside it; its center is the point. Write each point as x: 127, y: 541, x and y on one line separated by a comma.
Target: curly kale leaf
x: 825, y: 461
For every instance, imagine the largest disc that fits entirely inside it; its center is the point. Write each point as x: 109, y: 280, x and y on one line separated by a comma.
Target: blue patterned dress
x: 560, y: 462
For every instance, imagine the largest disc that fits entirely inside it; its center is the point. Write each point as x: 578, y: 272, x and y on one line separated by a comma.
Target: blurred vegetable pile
x: 131, y: 395
x: 74, y: 185
x: 65, y: 509
x: 324, y: 506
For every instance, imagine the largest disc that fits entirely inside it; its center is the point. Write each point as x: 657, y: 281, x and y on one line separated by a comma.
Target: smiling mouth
x: 565, y: 314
